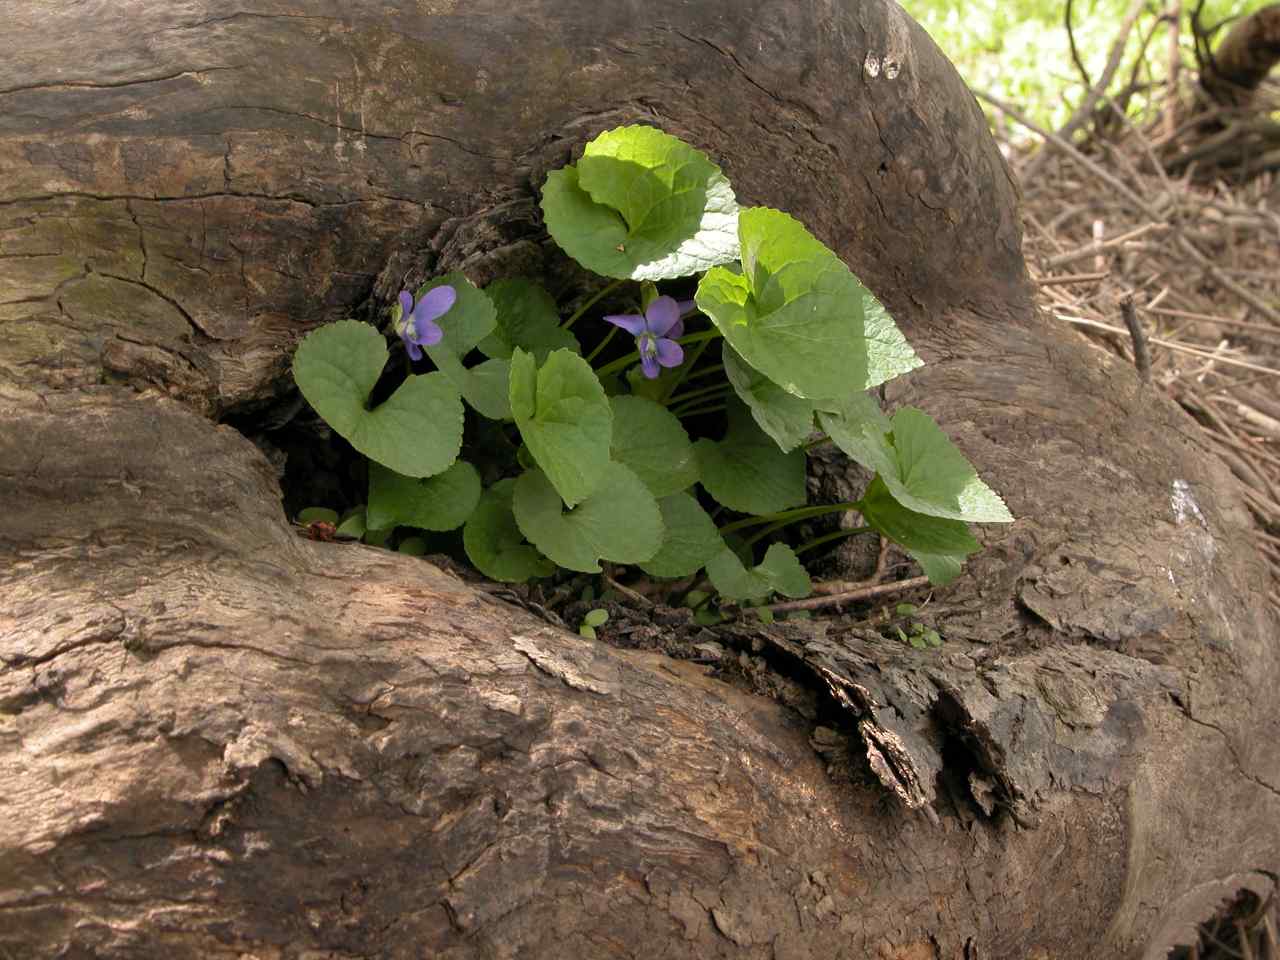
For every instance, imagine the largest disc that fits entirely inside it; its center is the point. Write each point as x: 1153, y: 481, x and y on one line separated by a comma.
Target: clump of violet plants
x: 588, y: 458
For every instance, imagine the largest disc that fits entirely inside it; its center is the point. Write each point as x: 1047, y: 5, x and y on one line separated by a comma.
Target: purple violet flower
x: 655, y: 334
x: 418, y: 325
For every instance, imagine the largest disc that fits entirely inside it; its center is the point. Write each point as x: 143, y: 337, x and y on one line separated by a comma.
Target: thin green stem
x: 705, y: 372
x: 696, y: 411
x: 591, y: 302
x: 829, y: 537
x: 704, y: 391
x: 603, y: 343
x: 790, y: 516
x: 694, y: 356
x: 623, y: 362
x: 763, y: 532
x: 699, y: 337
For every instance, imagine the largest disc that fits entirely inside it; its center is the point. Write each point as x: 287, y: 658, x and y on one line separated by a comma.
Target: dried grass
x: 1193, y: 260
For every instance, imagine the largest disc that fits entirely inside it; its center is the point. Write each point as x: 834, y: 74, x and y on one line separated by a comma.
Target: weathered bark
x: 221, y: 740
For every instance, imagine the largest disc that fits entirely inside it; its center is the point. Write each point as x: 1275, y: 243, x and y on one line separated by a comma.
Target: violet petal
x: 649, y: 365
x: 670, y: 353
x: 429, y: 332
x: 436, y: 302
x: 633, y: 323
x: 662, y: 315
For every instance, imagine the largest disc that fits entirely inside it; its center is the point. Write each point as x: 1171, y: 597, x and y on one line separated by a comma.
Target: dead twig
x: 849, y: 596
x: 1141, y: 355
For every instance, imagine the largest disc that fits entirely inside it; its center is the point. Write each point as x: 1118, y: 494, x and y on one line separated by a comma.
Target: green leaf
x: 620, y: 521
x: 417, y: 432
x: 471, y: 318
x: 527, y: 318
x: 798, y: 315
x: 649, y: 439
x: 495, y: 545
x: 318, y: 515
x: 747, y: 472
x: 354, y: 524
x: 913, y: 530
x: 565, y: 420
x: 917, y: 461
x: 413, y: 546
x: 595, y: 618
x: 905, y: 609
x: 692, y: 538
x: 441, y: 502
x: 783, y: 416
x: 857, y: 425
x: 378, y: 538
x: 487, y: 387
x: 655, y: 389
x: 643, y: 205
x: 779, y: 572
x: 930, y: 475
x: 940, y: 568
x: 587, y: 631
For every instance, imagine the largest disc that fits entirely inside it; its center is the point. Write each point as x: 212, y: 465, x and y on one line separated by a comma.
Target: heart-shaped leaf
x: 649, y: 439
x: 644, y: 205
x: 779, y: 572
x: 783, y: 416
x: 691, y: 541
x: 747, y: 472
x: 620, y: 521
x: 917, y: 462
x: 417, y: 432
x: 798, y: 315
x: 494, y: 543
x: 564, y: 418
x: 442, y: 502
x: 939, y: 544
x: 471, y: 318
x: 527, y: 318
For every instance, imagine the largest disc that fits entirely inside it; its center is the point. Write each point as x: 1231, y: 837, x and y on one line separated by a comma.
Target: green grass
x: 1017, y: 50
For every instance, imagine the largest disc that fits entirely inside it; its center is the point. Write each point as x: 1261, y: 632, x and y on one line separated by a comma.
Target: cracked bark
x: 220, y: 740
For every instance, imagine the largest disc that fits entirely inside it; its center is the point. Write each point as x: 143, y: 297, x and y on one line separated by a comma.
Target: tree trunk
x: 221, y: 740
x: 1242, y: 61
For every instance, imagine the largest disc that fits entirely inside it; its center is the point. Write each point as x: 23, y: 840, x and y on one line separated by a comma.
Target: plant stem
x: 603, y: 343
x: 764, y: 532
x: 799, y: 513
x: 829, y: 537
x: 623, y: 362
x: 591, y: 302
x: 700, y: 336
x: 705, y: 372
x: 694, y: 356
x: 704, y: 391
x: 698, y: 411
